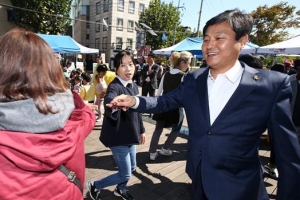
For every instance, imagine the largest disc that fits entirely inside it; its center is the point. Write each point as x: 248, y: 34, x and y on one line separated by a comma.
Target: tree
x: 271, y: 24
x: 162, y: 18
x: 43, y: 16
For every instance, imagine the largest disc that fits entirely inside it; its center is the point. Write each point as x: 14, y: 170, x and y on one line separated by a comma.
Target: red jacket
x: 29, y: 162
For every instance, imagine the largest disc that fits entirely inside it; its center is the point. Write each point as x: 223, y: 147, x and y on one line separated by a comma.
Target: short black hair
x: 102, y: 68
x: 251, y: 60
x: 240, y: 22
x: 152, y: 55
x: 297, y: 63
x: 86, y: 76
x: 278, y: 67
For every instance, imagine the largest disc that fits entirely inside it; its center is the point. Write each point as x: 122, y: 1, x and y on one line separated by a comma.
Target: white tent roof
x: 290, y: 46
x: 166, y: 51
x: 249, y: 48
x: 86, y: 50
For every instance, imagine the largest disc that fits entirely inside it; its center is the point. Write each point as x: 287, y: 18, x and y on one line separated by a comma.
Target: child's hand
x: 92, y: 106
x: 102, y: 94
x: 143, y: 138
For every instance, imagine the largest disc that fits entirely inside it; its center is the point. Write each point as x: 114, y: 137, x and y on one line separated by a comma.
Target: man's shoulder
x: 197, y: 72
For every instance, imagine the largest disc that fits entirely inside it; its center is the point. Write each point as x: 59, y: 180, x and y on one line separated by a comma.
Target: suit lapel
x: 249, y: 80
x: 203, y: 94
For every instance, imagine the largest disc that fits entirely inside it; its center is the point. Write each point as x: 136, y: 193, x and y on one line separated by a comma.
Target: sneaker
x: 153, y: 156
x: 165, y: 152
x: 99, y: 119
x: 271, y: 170
x: 123, y: 193
x: 94, y: 192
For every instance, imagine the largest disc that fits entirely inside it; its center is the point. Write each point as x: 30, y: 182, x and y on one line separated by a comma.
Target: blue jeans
x: 125, y: 158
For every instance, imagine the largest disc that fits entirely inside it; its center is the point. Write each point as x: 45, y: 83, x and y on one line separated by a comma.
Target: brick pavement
x: 164, y: 178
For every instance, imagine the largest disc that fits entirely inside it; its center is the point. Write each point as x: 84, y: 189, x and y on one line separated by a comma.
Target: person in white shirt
x: 173, y: 118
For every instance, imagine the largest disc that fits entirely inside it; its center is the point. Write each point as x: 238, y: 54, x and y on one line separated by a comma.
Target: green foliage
x: 163, y: 18
x: 44, y: 16
x: 271, y: 24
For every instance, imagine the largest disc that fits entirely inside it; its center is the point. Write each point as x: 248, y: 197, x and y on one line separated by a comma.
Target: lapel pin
x: 255, y: 77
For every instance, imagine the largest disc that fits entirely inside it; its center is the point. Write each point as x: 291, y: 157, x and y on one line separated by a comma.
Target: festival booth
x: 290, y: 46
x: 192, y: 45
x: 166, y: 51
x: 63, y: 44
x: 66, y: 44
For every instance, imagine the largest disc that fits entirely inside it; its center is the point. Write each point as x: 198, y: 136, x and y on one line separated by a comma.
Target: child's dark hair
x: 77, y: 78
x: 86, y: 76
x: 102, y: 68
x: 78, y: 71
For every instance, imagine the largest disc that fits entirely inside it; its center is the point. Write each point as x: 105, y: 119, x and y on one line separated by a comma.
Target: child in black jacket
x: 121, y: 131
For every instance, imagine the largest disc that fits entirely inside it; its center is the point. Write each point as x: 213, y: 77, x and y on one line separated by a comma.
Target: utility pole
x: 199, y: 18
x: 175, y: 27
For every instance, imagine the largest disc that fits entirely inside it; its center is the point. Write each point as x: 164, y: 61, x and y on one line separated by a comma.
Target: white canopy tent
x: 166, y: 51
x: 249, y: 48
x: 290, y: 46
x: 86, y: 50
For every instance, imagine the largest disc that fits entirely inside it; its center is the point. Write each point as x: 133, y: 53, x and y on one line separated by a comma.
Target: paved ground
x: 163, y: 179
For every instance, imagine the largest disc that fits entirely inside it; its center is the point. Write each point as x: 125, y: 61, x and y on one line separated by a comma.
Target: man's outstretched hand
x: 122, y: 102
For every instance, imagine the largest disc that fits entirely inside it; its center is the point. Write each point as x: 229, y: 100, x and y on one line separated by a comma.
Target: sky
x: 210, y: 8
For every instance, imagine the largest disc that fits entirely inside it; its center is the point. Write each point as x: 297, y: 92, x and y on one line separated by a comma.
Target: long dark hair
x: 29, y: 69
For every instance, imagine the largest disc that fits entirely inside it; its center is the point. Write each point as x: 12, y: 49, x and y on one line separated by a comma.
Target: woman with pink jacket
x: 42, y: 123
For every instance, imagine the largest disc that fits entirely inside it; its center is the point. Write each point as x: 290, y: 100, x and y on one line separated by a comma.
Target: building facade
x: 108, y: 25
x: 7, y: 17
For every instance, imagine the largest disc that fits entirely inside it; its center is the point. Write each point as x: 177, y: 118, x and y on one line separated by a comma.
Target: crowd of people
x: 229, y: 103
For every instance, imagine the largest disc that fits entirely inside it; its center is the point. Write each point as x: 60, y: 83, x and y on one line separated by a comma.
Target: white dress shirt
x: 221, y: 89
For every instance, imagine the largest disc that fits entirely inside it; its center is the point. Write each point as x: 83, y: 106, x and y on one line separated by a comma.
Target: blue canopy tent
x: 192, y: 45
x: 61, y: 43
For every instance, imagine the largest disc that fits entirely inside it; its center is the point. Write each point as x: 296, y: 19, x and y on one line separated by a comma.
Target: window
x: 104, y: 43
x: 129, y: 43
x: 119, y: 43
x: 97, y: 43
x: 121, y: 5
x: 97, y: 28
x: 105, y: 5
x: 97, y: 8
x: 119, y: 24
x: 130, y: 26
x: 104, y: 26
x: 83, y: 10
x: 141, y: 7
x: 131, y: 7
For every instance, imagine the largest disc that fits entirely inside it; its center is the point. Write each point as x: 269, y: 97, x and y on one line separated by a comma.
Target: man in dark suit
x: 149, y: 74
x: 228, y: 106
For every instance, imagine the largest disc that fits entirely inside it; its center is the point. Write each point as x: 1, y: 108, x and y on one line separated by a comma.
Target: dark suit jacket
x: 120, y: 128
x: 153, y: 76
x: 227, y: 150
x: 294, y: 85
